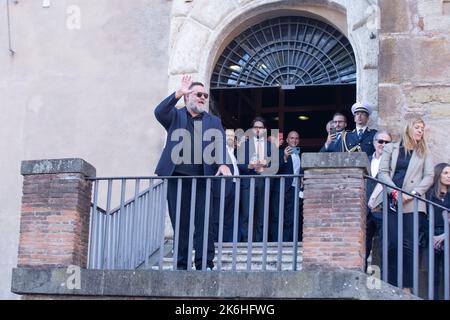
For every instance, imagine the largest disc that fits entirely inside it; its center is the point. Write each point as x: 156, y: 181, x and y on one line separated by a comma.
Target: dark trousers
x: 243, y: 214
x: 374, y: 227
x: 288, y: 215
x: 259, y: 208
x: 199, y: 215
x: 439, y: 259
x: 408, y: 236
x: 228, y: 217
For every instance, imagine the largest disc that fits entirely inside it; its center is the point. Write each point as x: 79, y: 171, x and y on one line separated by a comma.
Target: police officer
x: 361, y: 138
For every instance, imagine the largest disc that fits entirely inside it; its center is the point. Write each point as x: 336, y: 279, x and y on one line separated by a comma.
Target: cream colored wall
x: 87, y: 93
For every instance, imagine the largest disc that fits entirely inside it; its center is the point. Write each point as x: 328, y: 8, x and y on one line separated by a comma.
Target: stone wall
x: 78, y: 90
x: 414, y: 72
x: 212, y: 24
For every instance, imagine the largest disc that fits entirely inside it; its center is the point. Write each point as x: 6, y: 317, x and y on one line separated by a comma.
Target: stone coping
x: 201, y: 284
x: 55, y: 166
x: 330, y: 160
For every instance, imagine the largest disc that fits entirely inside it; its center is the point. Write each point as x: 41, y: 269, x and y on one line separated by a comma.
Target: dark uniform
x: 351, y: 142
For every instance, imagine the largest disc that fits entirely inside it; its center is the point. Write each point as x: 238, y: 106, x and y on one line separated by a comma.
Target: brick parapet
x: 54, y: 226
x: 334, y: 211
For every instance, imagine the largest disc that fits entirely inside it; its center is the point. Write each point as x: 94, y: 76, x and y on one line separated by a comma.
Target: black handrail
x: 437, y: 205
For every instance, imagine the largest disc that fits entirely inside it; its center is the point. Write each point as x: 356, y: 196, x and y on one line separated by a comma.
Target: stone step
x: 242, y: 266
x: 243, y: 259
x: 241, y: 256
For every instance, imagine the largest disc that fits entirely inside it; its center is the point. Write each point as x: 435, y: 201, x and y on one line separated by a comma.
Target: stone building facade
x: 81, y: 78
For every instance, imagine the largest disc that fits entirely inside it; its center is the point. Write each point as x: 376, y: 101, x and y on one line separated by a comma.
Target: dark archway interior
x: 294, y: 71
x: 305, y: 109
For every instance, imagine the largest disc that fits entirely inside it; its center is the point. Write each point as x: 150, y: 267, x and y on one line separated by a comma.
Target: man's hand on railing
x: 224, y: 171
x: 438, y: 241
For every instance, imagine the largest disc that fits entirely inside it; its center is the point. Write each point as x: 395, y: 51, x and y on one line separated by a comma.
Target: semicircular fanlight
x: 286, y: 51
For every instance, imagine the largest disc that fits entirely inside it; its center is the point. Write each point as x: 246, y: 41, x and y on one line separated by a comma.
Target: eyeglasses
x: 200, y: 94
x: 256, y: 127
x: 383, y: 141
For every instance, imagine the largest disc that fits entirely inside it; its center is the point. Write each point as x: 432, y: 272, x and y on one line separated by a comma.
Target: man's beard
x: 192, y: 107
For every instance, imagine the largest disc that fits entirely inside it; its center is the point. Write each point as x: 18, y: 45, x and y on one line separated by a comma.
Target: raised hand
x: 186, y: 82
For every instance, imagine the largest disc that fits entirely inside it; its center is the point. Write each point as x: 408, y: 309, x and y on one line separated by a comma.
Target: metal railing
x: 125, y: 236
x: 389, y: 234
x: 132, y: 234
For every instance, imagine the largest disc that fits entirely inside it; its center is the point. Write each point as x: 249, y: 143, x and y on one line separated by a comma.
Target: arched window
x: 286, y: 51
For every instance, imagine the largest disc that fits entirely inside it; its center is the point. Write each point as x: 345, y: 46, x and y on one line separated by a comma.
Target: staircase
x: 226, y: 259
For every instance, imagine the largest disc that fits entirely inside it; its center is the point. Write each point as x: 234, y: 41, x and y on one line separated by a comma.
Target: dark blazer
x: 365, y: 142
x: 286, y: 168
x: 248, y: 149
x: 349, y: 140
x: 335, y: 146
x: 229, y: 185
x: 171, y: 119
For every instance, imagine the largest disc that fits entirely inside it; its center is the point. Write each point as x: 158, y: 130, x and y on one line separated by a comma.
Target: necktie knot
x: 360, y: 132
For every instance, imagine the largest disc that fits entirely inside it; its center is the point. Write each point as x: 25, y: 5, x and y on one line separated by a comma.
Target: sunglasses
x: 200, y: 94
x: 383, y: 141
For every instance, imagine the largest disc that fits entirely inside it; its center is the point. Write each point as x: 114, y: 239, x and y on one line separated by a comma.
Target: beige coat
x: 419, y: 175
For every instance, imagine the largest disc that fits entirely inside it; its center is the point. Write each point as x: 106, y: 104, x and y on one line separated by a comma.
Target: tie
x: 260, y: 149
x: 360, y: 132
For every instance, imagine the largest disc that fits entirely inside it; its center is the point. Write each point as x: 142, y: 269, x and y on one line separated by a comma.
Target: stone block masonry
x: 414, y: 68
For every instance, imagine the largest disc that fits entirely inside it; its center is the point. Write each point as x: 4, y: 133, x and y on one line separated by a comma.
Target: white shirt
x: 261, y: 143
x: 230, y: 151
x: 363, y: 129
x: 296, y: 165
x: 374, y: 166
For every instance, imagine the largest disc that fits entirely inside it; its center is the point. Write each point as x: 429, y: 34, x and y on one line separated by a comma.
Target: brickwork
x: 334, y: 213
x: 54, y: 225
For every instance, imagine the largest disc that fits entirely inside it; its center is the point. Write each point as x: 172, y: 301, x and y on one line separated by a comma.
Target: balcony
x: 101, y: 237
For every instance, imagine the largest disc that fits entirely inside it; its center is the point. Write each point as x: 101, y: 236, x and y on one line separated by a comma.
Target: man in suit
x: 361, y: 138
x: 290, y: 161
x: 230, y: 193
x: 183, y: 156
x: 334, y: 139
x: 259, y: 161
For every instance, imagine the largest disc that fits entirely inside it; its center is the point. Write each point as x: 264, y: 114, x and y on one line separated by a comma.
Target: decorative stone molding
x: 206, y: 27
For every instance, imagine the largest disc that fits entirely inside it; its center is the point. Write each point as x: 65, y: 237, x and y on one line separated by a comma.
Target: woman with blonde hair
x: 408, y: 165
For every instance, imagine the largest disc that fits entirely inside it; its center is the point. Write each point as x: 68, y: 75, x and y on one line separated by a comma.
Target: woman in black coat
x: 440, y: 194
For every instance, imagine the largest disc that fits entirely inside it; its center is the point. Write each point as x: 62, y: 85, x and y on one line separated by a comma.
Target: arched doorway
x: 294, y: 71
